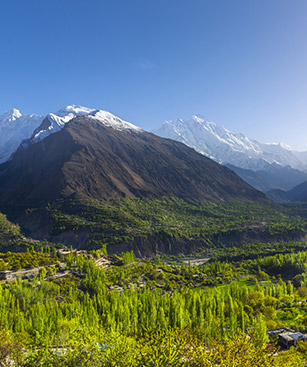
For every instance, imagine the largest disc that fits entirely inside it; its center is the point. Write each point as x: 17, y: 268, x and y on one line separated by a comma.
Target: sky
x: 240, y: 63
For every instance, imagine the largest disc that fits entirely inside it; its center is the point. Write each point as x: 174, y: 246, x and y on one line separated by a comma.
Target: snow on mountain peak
x: 58, y: 120
x: 11, y: 115
x: 281, y: 145
x: 285, y: 146
x: 14, y: 128
x: 110, y: 120
x: 198, y: 118
x: 15, y: 113
x: 207, y: 137
x: 218, y: 143
x: 75, y: 110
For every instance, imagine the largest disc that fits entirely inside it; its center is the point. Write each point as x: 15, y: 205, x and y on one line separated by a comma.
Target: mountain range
x: 78, y: 156
x: 101, y: 156
x: 17, y: 128
x: 273, y: 168
x: 264, y: 166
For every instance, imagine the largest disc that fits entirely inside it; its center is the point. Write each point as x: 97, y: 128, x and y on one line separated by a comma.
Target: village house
x: 288, y: 337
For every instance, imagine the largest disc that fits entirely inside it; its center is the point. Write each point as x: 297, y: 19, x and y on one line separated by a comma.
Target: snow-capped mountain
x: 56, y: 121
x: 225, y: 147
x: 16, y: 128
x: 276, y: 165
x: 101, y: 157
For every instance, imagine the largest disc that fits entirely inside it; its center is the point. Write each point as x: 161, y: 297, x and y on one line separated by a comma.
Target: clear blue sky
x: 241, y: 63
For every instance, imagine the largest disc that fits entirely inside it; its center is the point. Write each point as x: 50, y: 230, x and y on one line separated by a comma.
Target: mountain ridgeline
x: 90, y: 159
x: 91, y: 179
x: 265, y: 166
x: 275, y: 176
x: 297, y: 194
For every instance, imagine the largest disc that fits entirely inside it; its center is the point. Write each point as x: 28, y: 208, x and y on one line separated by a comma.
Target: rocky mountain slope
x: 17, y: 128
x: 246, y: 156
x: 101, y: 156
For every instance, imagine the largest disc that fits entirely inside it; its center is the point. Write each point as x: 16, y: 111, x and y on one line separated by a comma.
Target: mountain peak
x: 108, y: 119
x: 56, y: 121
x: 14, y: 128
x: 11, y: 115
x: 17, y: 128
x: 15, y: 113
x: 198, y: 118
x: 88, y: 159
x: 284, y: 146
x: 75, y: 110
x: 220, y: 144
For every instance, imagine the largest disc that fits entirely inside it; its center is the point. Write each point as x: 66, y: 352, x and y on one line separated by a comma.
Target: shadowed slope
x: 87, y: 159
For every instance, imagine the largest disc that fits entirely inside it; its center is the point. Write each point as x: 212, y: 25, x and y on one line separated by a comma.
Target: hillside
x: 11, y: 238
x: 297, y: 194
x: 273, y: 177
x: 17, y: 128
x: 90, y: 159
x: 153, y: 227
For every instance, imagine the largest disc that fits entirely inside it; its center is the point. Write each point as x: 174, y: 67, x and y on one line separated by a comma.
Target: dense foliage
x: 122, y: 220
x: 153, y: 313
x: 11, y: 238
x: 10, y: 235
x: 26, y: 260
x: 158, y: 312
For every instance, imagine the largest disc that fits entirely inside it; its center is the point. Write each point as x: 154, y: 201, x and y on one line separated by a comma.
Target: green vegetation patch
x: 119, y: 220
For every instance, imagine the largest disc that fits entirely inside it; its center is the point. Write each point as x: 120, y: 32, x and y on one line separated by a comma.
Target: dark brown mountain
x: 88, y: 159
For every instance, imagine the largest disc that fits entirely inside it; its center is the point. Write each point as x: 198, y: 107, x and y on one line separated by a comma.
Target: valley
x: 153, y: 183
x: 140, y: 309
x: 122, y: 248
x: 166, y: 226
